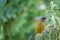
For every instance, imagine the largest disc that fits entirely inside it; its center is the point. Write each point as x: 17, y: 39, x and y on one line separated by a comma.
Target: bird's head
x: 43, y: 19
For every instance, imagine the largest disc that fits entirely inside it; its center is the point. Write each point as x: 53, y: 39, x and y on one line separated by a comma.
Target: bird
x: 40, y: 25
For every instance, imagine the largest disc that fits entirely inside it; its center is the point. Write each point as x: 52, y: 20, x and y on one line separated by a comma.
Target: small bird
x: 40, y: 26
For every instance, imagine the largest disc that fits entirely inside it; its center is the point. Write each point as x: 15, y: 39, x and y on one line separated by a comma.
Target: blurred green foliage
x: 17, y: 17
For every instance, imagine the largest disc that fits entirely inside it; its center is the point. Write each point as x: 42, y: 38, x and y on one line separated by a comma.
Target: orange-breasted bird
x: 40, y: 26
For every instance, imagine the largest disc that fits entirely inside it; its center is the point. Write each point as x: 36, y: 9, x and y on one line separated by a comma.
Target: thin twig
x: 30, y: 37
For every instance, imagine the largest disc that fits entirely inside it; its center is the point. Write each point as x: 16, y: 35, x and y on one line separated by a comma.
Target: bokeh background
x: 18, y: 18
